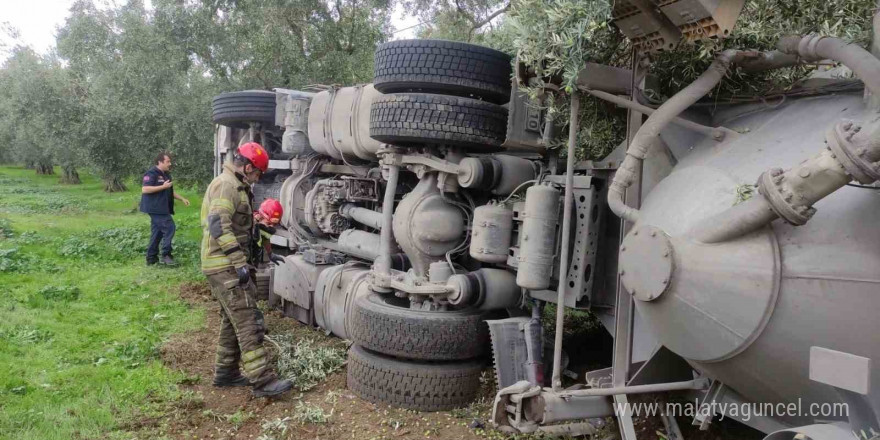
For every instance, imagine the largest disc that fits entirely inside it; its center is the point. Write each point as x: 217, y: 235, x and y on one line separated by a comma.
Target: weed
x: 305, y: 413
x: 47, y: 295
x: 78, y: 247
x: 278, y: 426
x: 743, y: 193
x: 304, y: 363
x: 13, y: 260
x: 29, y: 237
x: 59, y: 293
x: 125, y: 241
x: 5, y: 228
x: 25, y: 335
x: 239, y: 418
x: 133, y: 353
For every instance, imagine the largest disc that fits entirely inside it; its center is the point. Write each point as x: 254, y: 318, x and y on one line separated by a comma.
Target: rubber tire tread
x: 423, y: 118
x: 439, y: 66
x: 412, y: 385
x: 236, y: 109
x: 417, y: 334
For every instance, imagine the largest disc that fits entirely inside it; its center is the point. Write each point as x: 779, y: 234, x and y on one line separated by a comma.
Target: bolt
x: 717, y: 135
x: 635, y: 232
x: 666, y: 254
x: 804, y: 173
x: 622, y: 272
x: 847, y: 125
x: 653, y: 233
x: 666, y: 281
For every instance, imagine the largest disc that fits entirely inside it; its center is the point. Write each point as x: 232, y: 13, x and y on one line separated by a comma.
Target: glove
x: 243, y: 275
x: 277, y: 259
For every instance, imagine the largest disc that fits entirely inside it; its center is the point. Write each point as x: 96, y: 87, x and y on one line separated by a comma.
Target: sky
x: 37, y: 20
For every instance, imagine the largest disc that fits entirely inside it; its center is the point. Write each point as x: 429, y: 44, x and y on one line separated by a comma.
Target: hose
x: 663, y: 116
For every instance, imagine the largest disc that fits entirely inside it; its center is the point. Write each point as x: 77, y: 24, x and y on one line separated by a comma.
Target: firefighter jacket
x: 227, y: 223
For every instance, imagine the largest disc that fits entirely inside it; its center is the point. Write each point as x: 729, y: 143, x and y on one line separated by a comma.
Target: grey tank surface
x: 748, y: 311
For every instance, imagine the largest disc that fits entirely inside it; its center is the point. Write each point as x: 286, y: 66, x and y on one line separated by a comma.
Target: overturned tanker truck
x: 425, y: 216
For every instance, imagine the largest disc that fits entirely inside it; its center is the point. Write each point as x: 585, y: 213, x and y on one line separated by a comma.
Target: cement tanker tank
x: 767, y: 280
x: 758, y: 312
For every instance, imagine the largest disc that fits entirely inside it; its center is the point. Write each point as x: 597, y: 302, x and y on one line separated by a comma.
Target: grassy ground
x: 81, y: 316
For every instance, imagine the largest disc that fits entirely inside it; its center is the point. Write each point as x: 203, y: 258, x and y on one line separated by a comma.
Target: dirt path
x: 211, y: 413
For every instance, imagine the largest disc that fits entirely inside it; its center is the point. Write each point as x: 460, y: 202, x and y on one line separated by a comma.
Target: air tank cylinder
x: 492, y: 228
x: 538, y: 237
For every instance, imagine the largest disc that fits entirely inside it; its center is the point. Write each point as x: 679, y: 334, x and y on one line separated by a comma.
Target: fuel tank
x: 748, y: 311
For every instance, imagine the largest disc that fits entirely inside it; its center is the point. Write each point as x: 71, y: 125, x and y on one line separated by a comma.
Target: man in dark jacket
x: 157, y: 199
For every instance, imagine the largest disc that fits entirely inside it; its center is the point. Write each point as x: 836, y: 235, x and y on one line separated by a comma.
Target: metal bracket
x: 703, y: 417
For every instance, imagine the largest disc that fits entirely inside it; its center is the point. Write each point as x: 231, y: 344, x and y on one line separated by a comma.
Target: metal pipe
x: 791, y: 194
x: 638, y: 148
x: 717, y: 133
x: 566, y: 232
x: 856, y: 58
x: 735, y: 222
x: 364, y: 216
x: 383, y: 263
x: 696, y: 384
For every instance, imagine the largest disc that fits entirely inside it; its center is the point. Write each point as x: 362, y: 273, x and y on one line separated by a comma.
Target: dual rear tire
x: 420, y: 360
x: 440, y: 93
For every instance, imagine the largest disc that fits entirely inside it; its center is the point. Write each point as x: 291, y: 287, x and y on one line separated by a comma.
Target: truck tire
x: 381, y: 325
x: 420, y: 386
x: 422, y: 118
x: 447, y: 67
x: 237, y: 109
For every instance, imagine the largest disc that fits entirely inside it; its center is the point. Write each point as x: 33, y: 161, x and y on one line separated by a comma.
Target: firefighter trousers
x: 242, y: 329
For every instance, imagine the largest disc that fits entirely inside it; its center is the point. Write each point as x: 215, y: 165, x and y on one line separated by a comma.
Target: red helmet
x: 271, y: 209
x: 255, y: 153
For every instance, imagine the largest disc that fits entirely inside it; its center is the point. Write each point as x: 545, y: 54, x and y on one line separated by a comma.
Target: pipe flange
x: 850, y: 155
x: 646, y: 263
x: 771, y: 187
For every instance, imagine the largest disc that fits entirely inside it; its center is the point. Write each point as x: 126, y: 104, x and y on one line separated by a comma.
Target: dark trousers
x: 162, y: 229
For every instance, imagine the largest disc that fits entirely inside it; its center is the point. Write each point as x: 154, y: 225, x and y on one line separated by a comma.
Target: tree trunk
x: 69, y: 176
x: 114, y: 184
x: 45, y: 168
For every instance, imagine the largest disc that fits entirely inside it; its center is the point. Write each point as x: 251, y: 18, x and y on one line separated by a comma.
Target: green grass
x: 81, y: 316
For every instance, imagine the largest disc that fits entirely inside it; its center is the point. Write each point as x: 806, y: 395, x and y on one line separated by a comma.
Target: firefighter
x: 227, y: 227
x: 266, y: 218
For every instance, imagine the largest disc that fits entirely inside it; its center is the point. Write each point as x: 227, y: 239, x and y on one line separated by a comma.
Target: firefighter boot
x: 229, y: 377
x: 273, y: 388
